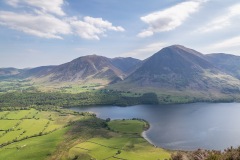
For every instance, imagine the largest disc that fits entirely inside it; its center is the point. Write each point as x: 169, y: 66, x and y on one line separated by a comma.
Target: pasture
x: 31, y: 134
x: 124, y: 141
x: 36, y: 135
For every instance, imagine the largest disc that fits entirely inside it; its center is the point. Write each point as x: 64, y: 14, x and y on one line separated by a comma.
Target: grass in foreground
x: 37, y: 148
x: 37, y: 135
x: 121, y: 141
x: 31, y: 134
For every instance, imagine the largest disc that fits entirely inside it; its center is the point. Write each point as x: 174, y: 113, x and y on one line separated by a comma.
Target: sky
x: 51, y: 32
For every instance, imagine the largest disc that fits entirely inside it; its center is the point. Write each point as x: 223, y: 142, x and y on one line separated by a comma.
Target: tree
x: 108, y: 120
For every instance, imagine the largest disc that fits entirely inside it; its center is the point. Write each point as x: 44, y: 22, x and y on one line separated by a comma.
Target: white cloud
x: 169, y: 18
x: 86, y: 30
x: 100, y: 23
x: 229, y: 43
x: 222, y: 21
x: 146, y: 51
x: 49, y: 6
x: 92, y: 28
x: 145, y: 33
x: 44, y: 25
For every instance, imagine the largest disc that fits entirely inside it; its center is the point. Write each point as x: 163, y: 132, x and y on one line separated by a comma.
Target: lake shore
x: 183, y: 126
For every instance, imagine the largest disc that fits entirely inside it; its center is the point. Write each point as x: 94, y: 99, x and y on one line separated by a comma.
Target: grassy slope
x: 88, y: 137
x: 122, y: 141
x: 127, y: 126
x: 19, y: 124
x: 37, y: 148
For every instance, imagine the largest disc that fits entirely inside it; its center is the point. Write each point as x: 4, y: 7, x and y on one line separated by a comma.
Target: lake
x: 182, y: 126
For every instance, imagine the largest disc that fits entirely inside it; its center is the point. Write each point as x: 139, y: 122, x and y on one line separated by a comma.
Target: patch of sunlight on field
x: 10, y: 136
x: 32, y: 126
x: 45, y: 114
x: 144, y: 152
x: 8, y: 124
x: 2, y: 114
x: 37, y: 148
x: 117, y: 143
x: 32, y: 113
x: 52, y: 127
x: 95, y: 150
x: 17, y: 114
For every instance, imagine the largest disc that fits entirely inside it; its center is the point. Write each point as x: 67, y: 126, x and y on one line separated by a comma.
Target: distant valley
x: 175, y: 73
x: 39, y: 107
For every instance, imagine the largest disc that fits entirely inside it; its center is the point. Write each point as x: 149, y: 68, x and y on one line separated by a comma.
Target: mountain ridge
x: 172, y: 69
x: 177, y: 68
x: 79, y: 70
x: 227, y: 62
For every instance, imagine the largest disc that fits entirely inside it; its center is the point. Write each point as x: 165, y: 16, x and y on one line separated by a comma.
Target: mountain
x: 125, y: 64
x: 90, y: 68
x: 85, y: 69
x: 226, y: 62
x: 35, y: 72
x: 177, y: 68
x: 174, y: 71
x: 9, y: 71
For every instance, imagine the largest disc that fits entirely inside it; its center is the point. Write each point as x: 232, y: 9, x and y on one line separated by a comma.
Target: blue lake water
x: 182, y: 126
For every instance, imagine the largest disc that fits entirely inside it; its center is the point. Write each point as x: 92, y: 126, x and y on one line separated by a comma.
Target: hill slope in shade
x: 174, y: 70
x: 89, y: 69
x: 180, y: 68
x: 84, y: 69
x: 35, y: 72
x: 9, y: 71
x: 226, y: 62
x: 125, y: 64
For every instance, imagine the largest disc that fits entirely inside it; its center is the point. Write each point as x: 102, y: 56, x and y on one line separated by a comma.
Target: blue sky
x: 42, y: 32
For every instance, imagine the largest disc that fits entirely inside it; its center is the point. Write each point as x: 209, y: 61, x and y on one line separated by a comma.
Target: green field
x: 37, y: 148
x: 7, y: 124
x: 18, y: 114
x: 36, y: 134
x: 125, y: 144
x: 127, y: 126
x: 28, y: 134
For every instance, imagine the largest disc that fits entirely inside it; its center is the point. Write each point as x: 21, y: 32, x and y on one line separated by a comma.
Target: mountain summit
x: 174, y: 70
x: 179, y: 68
x: 86, y: 69
x: 176, y: 60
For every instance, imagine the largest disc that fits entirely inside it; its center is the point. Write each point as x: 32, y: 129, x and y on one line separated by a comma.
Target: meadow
x: 31, y: 134
x: 46, y: 134
x: 122, y: 141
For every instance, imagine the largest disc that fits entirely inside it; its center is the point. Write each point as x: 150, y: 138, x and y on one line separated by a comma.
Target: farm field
x: 124, y: 141
x: 36, y: 134
x: 31, y: 134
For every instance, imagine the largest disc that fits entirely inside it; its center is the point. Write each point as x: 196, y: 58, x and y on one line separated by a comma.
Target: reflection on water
x: 182, y: 126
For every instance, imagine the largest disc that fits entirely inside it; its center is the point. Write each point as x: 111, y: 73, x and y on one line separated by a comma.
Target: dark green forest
x: 19, y: 99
